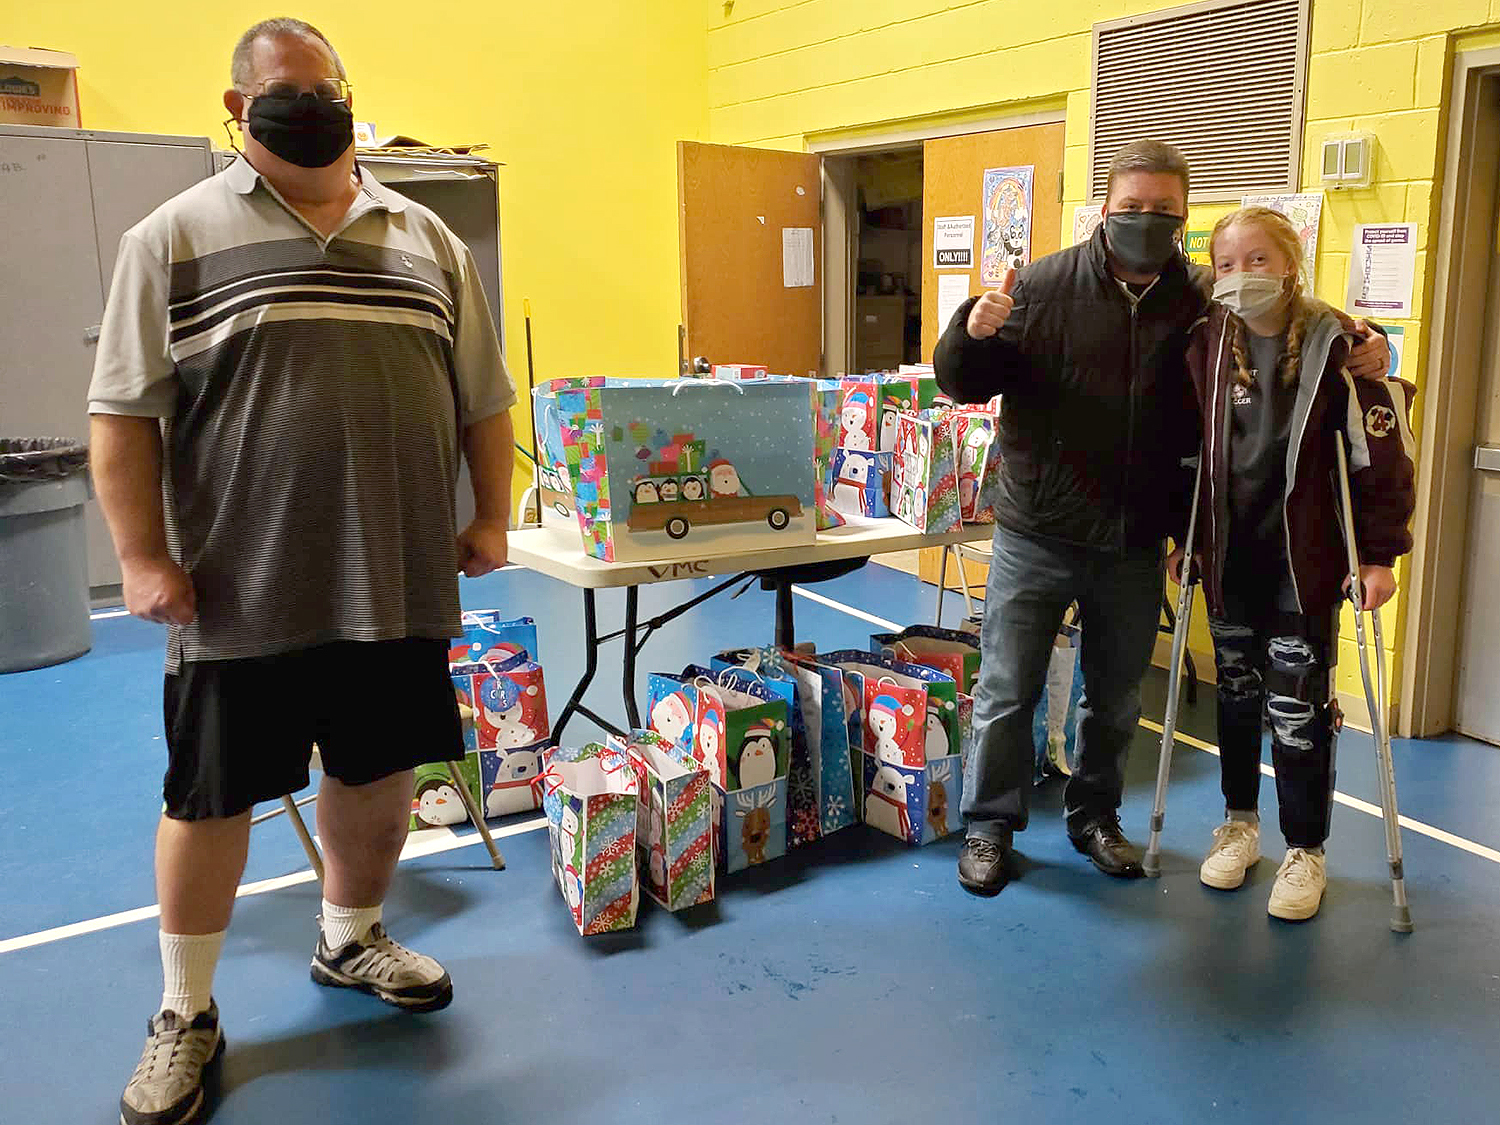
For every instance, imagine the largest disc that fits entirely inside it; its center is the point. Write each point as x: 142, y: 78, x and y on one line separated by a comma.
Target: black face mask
x: 1142, y: 241
x: 305, y: 130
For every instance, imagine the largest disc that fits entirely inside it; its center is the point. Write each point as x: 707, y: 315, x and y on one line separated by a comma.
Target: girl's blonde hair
x: 1284, y: 237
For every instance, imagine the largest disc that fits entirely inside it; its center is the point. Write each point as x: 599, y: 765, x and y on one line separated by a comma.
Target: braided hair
x: 1284, y: 238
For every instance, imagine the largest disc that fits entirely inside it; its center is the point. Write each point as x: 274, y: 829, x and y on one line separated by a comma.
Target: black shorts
x: 242, y: 731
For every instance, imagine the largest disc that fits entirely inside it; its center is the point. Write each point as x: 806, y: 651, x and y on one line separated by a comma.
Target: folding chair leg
x: 476, y: 814
x: 963, y: 576
x: 942, y: 586
x: 294, y: 814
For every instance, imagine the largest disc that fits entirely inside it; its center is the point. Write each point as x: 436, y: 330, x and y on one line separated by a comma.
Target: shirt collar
x: 243, y: 178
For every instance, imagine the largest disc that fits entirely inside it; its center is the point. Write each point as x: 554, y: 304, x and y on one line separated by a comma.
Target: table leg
x: 632, y: 613
x: 785, y: 629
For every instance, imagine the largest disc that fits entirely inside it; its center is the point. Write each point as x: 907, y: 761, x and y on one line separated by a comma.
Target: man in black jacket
x: 1087, y: 346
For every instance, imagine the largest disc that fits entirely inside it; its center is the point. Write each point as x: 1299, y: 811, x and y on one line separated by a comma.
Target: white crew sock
x: 187, y: 968
x: 1244, y: 816
x: 343, y: 924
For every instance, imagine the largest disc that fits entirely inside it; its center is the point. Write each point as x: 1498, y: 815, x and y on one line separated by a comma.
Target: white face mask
x: 1250, y: 295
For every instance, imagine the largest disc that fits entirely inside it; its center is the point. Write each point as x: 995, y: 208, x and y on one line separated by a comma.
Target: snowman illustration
x: 723, y: 479
x: 437, y: 803
x: 884, y: 721
x: 569, y: 844
x: 852, y: 421
x: 503, y: 701
x: 655, y: 846
x: 710, y: 744
x: 886, y: 803
x: 671, y: 717
x: 849, y: 487
x: 758, y: 756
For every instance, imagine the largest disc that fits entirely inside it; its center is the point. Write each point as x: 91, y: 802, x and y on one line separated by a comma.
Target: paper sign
x: 364, y: 134
x: 1382, y: 268
x: 1306, y: 213
x: 1086, y: 220
x: 796, y: 257
x: 1195, y: 242
x: 1007, y: 222
x: 1396, y: 337
x: 953, y: 243
x: 953, y: 290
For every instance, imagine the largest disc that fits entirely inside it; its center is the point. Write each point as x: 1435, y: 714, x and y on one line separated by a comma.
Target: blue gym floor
x: 851, y: 982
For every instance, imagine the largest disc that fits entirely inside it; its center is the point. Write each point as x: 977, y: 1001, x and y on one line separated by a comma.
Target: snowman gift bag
x: 911, y: 774
x: 591, y: 804
x: 859, y: 400
x: 504, y: 713
x: 924, y: 484
x: 674, y: 823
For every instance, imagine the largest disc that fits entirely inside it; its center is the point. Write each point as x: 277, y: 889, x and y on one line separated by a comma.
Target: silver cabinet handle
x: 1487, y: 458
x: 91, y: 334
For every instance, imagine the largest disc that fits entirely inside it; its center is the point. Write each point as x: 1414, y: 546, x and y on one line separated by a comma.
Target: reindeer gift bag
x: 591, y: 802
x: 674, y: 825
x: 911, y: 741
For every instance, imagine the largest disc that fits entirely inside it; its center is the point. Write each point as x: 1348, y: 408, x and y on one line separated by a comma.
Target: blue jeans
x: 1031, y: 585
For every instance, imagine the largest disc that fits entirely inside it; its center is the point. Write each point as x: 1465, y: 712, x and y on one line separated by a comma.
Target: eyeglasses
x: 327, y: 89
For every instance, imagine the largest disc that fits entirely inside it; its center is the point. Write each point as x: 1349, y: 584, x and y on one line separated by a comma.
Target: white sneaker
x: 1299, y: 886
x: 1236, y: 849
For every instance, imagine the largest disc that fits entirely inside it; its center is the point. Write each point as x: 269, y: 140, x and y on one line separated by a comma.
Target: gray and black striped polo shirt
x: 314, y: 393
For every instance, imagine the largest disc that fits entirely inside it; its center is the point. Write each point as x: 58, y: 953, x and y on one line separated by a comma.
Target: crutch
x: 1375, y: 698
x: 1151, y: 864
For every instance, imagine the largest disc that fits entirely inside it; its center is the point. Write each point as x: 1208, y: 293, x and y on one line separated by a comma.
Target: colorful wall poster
x: 1006, y: 204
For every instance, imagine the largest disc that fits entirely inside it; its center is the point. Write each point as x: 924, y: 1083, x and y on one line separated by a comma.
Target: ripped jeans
x: 1274, y: 661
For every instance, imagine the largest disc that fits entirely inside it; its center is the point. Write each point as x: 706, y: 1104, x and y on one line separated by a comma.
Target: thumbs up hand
x: 991, y: 311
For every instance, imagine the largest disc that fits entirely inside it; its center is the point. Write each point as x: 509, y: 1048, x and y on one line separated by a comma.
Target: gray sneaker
x: 167, y: 1086
x: 386, y: 969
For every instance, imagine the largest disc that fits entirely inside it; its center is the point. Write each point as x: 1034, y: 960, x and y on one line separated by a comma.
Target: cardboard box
x: 38, y: 87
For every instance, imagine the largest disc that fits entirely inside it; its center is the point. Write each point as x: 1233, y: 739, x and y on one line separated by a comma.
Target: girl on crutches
x: 1267, y: 363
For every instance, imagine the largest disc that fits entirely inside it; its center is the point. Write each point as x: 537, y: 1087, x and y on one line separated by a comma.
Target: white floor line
x: 1406, y: 822
x: 415, y: 847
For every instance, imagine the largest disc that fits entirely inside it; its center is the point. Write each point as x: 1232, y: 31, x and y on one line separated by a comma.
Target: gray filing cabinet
x: 66, y: 197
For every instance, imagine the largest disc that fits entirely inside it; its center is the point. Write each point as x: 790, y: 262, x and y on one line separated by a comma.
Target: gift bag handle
x: 705, y: 383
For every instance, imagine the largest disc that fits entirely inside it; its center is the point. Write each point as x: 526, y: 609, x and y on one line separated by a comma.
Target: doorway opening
x: 888, y: 277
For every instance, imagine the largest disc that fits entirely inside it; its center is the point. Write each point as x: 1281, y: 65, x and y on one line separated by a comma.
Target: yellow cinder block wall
x: 778, y: 73
x: 583, y: 110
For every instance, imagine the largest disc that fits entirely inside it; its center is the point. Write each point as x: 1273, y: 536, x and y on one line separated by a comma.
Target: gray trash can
x: 44, y: 583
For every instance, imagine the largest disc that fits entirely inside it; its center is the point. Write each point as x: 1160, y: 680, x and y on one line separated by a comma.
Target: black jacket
x: 1098, y: 413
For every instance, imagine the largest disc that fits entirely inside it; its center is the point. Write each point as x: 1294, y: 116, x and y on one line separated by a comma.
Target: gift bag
x: 672, y: 469
x: 674, y: 823
x: 857, y: 483
x: 503, y: 711
x: 948, y: 650
x: 821, y: 696
x: 557, y: 460
x: 976, y: 456
x: 591, y: 804
x: 435, y: 801
x: 909, y: 390
x: 827, y: 398
x: 911, y: 768
x: 743, y: 740
x: 489, y: 636
x: 1054, y: 725
x: 924, y: 489
x: 860, y: 395
x: 918, y: 805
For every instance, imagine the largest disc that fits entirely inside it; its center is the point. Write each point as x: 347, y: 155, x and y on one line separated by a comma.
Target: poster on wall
x: 953, y: 290
x: 1195, y: 243
x: 1382, y: 269
x: 1305, y: 212
x: 1087, y: 218
x: 953, y: 243
x: 1007, y: 222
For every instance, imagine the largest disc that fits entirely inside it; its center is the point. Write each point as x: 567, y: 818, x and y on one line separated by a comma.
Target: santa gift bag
x: 591, y: 804
x: 948, y: 650
x: 503, y: 710
x: 489, y: 635
x: 924, y: 487
x: 857, y: 483
x: 674, y: 824
x: 674, y: 469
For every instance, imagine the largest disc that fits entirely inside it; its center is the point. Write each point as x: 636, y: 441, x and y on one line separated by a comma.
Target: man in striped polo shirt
x: 292, y: 361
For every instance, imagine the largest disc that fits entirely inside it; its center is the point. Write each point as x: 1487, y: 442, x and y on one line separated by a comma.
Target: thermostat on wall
x: 1348, y: 160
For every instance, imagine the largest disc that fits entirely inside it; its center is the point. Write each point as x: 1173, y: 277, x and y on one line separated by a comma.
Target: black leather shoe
x: 982, y: 866
x: 1103, y: 842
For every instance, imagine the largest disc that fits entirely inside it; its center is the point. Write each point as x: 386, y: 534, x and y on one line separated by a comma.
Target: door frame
x: 1429, y: 651
x: 841, y: 213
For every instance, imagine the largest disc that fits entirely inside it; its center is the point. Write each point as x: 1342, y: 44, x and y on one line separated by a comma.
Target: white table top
x: 556, y: 550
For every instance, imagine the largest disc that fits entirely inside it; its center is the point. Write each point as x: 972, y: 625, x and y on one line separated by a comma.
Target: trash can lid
x: 41, y: 458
